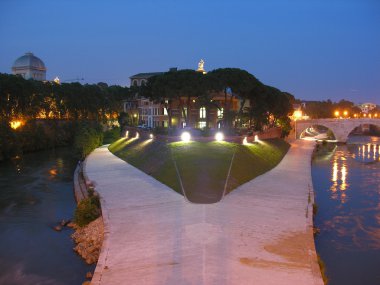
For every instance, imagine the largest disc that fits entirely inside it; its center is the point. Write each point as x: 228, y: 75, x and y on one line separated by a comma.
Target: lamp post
x: 336, y: 113
x: 297, y: 115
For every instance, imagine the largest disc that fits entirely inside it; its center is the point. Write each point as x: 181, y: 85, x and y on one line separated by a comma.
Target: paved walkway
x: 259, y: 234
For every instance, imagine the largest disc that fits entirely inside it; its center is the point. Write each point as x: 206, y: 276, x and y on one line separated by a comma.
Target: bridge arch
x: 341, y: 128
x: 316, y: 132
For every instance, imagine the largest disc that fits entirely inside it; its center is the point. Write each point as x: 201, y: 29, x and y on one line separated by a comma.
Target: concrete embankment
x: 261, y: 233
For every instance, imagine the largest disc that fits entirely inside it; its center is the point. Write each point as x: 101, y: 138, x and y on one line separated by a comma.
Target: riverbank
x: 89, y: 238
x: 261, y: 233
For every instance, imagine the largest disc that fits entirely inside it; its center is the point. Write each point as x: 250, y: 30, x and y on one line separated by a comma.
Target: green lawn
x: 202, y: 166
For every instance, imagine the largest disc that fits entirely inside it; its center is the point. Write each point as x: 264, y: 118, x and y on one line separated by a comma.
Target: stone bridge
x: 340, y: 127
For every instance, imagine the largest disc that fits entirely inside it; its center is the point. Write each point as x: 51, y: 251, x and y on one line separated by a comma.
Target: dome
x: 29, y: 61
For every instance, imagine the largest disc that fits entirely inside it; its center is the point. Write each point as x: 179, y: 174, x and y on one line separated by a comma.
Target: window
x: 202, y: 113
x: 202, y: 125
x: 165, y: 112
x: 220, y: 113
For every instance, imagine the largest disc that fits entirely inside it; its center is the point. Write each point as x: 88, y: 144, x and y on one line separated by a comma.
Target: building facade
x: 29, y: 67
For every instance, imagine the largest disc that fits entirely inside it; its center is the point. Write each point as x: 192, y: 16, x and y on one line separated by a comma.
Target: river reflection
x: 35, y: 193
x: 346, y: 180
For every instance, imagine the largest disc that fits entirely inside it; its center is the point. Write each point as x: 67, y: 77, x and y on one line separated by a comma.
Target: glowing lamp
x: 256, y: 138
x: 126, y: 134
x: 151, y: 136
x: 15, y: 124
x: 137, y: 135
x: 185, y: 137
x: 219, y: 136
x: 297, y: 114
x: 245, y: 140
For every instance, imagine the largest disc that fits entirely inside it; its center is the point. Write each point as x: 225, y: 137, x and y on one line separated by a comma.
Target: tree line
x: 72, y: 114
x: 330, y: 109
x: 30, y: 99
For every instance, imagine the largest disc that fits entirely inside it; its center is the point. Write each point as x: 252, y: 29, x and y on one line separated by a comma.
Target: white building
x: 30, y: 67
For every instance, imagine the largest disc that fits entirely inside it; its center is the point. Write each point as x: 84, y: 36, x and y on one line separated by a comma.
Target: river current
x: 346, y: 181
x: 35, y: 194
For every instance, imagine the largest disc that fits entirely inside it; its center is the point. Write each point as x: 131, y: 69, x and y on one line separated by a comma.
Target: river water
x: 35, y: 194
x: 346, y: 181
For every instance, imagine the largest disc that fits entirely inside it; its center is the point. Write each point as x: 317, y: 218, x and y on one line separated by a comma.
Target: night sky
x: 316, y: 50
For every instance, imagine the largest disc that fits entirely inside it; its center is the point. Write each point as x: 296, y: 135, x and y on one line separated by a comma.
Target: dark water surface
x: 346, y: 180
x: 35, y: 193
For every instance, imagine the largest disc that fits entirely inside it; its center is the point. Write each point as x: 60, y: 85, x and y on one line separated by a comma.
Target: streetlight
x: 185, y: 137
x: 297, y: 115
x: 219, y: 136
x: 345, y: 113
x: 336, y: 113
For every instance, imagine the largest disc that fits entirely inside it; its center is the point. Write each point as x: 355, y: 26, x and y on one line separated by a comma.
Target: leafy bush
x: 87, y: 210
x: 111, y: 135
x: 87, y: 138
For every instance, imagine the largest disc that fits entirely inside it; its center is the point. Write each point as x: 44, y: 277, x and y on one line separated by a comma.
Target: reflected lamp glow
x: 185, y: 137
x: 219, y: 136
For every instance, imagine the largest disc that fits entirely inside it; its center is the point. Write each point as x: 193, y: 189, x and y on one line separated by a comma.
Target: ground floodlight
x: 137, y: 135
x: 151, y: 136
x: 126, y: 134
x: 219, y: 136
x: 185, y: 137
x: 245, y: 140
x: 256, y: 138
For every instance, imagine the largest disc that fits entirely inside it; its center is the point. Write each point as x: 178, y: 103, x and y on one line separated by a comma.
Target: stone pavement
x: 261, y: 233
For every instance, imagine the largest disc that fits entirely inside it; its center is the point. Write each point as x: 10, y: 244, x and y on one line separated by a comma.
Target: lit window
x: 165, y: 112
x: 202, y: 125
x: 202, y: 113
x: 220, y: 113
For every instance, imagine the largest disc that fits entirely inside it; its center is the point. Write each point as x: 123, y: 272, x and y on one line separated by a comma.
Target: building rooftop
x: 145, y: 75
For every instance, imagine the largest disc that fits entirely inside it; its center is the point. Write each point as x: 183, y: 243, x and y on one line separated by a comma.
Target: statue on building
x: 201, y: 66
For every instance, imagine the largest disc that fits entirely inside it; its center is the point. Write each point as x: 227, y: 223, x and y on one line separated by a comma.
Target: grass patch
x: 203, y: 166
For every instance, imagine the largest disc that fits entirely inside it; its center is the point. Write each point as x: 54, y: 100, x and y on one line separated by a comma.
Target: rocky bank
x: 89, y: 240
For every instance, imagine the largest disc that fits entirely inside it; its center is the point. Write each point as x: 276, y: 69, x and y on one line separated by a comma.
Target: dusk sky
x: 316, y: 50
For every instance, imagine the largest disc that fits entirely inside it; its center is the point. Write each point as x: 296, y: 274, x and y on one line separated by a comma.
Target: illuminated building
x: 30, y: 67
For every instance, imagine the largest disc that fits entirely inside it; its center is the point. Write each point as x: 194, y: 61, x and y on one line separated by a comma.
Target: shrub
x: 111, y: 135
x: 87, y: 210
x: 87, y: 138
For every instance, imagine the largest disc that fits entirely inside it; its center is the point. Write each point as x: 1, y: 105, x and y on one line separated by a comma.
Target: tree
x: 241, y: 84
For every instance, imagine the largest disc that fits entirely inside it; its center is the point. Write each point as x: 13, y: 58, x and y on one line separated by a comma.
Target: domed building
x: 30, y: 67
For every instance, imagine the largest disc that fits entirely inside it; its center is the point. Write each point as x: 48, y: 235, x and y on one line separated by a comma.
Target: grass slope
x: 202, y: 166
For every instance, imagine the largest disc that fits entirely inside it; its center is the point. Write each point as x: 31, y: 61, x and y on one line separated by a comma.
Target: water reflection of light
x: 334, y: 178
x: 343, y: 186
